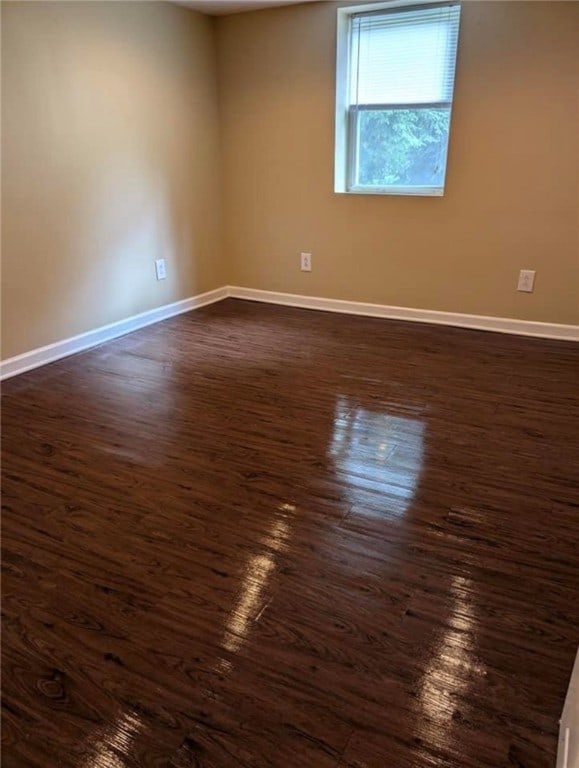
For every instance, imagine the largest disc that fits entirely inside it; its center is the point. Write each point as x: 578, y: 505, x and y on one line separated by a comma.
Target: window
x: 395, y: 81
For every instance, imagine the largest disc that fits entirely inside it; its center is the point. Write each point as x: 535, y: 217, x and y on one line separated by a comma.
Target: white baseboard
x: 477, y: 322
x: 568, y: 748
x: 43, y: 355
x: 37, y: 357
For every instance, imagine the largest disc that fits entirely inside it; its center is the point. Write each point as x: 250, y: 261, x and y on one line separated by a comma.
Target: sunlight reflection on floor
x: 379, y: 453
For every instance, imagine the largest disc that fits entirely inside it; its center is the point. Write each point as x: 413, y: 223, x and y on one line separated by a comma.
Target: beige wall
x: 112, y: 125
x: 512, y: 198
x: 110, y: 160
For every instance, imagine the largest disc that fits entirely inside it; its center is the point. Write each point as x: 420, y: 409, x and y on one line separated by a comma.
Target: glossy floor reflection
x: 260, y: 536
x: 363, y: 444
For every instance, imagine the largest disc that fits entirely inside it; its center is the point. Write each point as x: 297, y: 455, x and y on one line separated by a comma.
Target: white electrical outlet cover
x: 160, y: 269
x: 526, y: 280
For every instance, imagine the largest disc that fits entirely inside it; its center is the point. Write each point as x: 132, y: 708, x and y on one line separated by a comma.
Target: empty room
x: 290, y: 384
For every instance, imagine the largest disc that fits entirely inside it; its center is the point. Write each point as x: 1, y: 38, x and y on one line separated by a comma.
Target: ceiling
x: 223, y: 7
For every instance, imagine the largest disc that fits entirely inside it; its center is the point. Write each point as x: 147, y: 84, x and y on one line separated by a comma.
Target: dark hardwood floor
x: 260, y: 536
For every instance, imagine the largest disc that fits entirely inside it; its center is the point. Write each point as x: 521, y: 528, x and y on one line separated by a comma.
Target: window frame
x: 347, y: 115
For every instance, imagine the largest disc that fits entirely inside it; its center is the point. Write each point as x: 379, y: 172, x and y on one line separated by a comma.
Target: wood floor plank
x: 268, y: 537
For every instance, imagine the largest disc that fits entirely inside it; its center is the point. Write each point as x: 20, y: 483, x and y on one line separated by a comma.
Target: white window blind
x: 398, y: 86
x: 404, y: 57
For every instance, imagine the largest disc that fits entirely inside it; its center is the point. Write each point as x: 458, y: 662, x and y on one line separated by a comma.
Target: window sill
x: 398, y: 191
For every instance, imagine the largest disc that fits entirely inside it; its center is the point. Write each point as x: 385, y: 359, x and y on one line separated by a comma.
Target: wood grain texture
x: 261, y: 536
